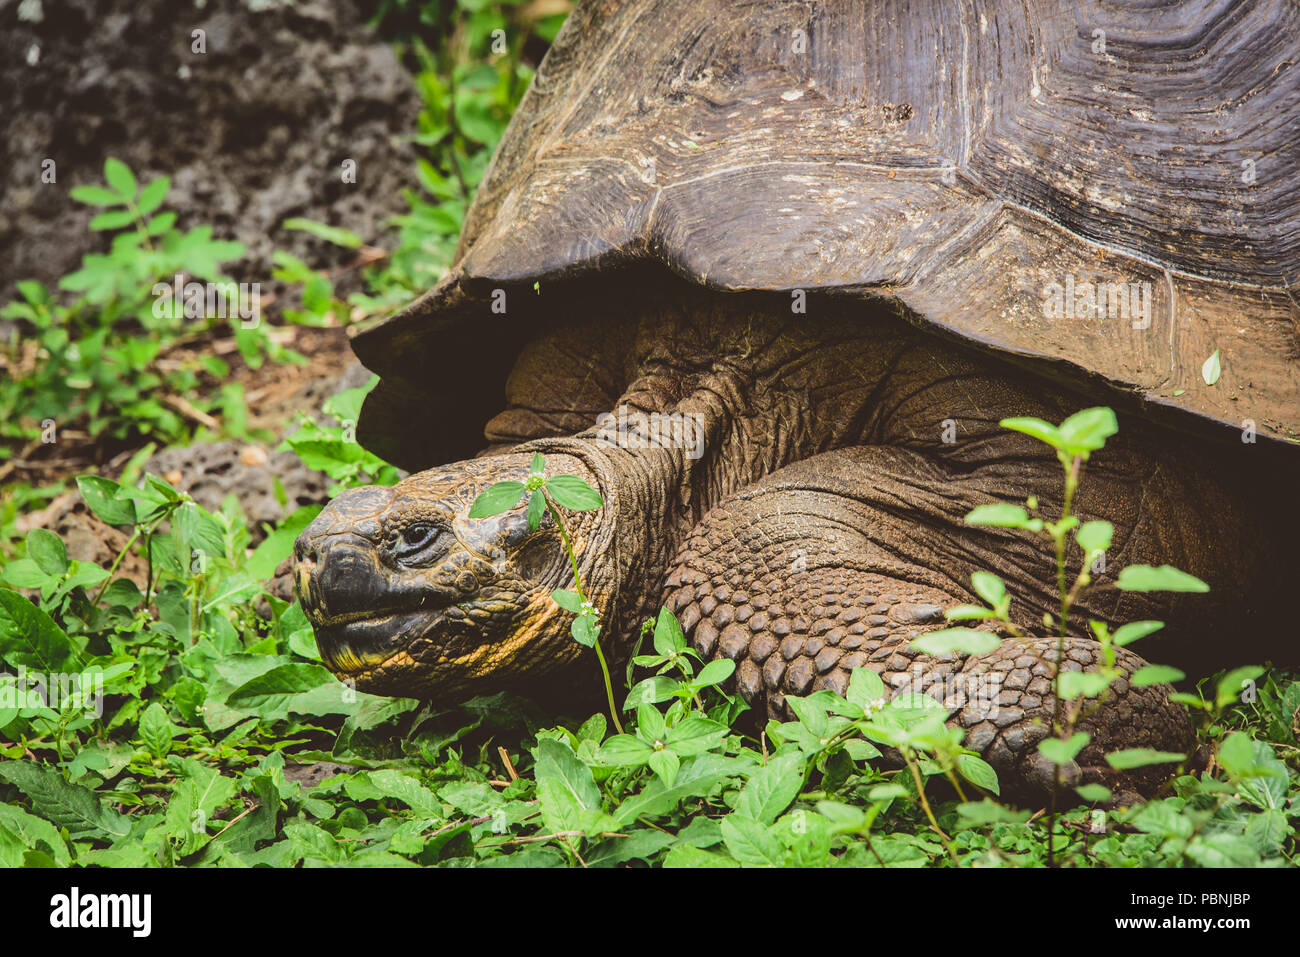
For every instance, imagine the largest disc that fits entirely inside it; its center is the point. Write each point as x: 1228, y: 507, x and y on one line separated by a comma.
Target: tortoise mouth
x: 355, y: 643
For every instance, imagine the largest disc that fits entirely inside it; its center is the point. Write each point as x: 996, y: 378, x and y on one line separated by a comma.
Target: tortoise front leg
x: 839, y: 562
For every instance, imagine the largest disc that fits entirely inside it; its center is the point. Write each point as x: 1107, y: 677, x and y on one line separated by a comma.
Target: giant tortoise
x: 769, y: 274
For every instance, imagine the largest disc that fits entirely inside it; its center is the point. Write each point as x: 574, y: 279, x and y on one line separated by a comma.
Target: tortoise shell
x: 1109, y: 188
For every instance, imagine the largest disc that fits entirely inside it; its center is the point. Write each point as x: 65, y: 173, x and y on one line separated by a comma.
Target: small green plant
x: 543, y: 495
x: 92, y: 358
x: 1077, y: 694
x: 334, y: 449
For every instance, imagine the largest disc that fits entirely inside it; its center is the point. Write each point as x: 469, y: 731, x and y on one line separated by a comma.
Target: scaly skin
x: 801, y: 578
x: 820, y: 530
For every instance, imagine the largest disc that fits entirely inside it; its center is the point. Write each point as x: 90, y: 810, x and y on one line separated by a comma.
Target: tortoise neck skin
x: 716, y: 398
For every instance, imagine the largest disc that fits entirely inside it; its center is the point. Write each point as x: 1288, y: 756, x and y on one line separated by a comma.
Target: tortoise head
x: 410, y: 595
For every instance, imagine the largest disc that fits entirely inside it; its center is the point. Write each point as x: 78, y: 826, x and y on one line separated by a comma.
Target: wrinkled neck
x: 697, y: 423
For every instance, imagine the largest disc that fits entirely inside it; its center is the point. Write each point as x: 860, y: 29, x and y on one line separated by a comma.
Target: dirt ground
x: 252, y: 131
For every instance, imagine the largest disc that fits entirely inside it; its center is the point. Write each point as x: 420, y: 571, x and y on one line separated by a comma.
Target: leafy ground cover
x: 186, y: 720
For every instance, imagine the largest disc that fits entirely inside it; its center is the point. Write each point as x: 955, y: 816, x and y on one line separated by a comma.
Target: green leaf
x: 1236, y: 753
x: 625, y: 750
x: 156, y: 730
x: 1063, y: 752
x: 30, y: 637
x: 1155, y: 675
x: 696, y: 777
x: 1043, y: 431
x: 865, y: 688
x: 197, y: 796
x: 63, y: 804
x: 750, y: 843
x: 844, y: 818
x: 1094, y: 536
x: 95, y: 196
x: 695, y: 734
x: 585, y: 631
x: 25, y: 573
x: 647, y: 691
x: 1268, y: 830
x: 989, y: 812
x: 1163, y: 819
x: 1130, y: 758
x: 978, y: 772
x: 113, y: 219
x: 277, y: 689
x: 1003, y: 516
x: 665, y: 764
x: 969, y: 613
x: 772, y: 788
x: 650, y: 723
x: 119, y: 177
x: 47, y: 550
x: 567, y: 599
x: 199, y: 530
x: 161, y: 223
x: 961, y: 641
x: 1085, y: 684
x: 1212, y: 368
x: 501, y: 497
x: 573, y: 493
x: 536, y: 511
x: 278, y: 545
x: 989, y: 587
x: 714, y: 673
x: 668, y: 637
x: 1127, y: 634
x: 566, y: 790
x: 107, y: 500
x: 683, y: 855
x: 812, y: 713
x: 33, y: 830
x: 1093, y: 793
x: 643, y: 844
x: 394, y: 784
x: 331, y: 234
x: 1087, y: 431
x: 886, y: 792
x: 1164, y: 578
x: 151, y: 196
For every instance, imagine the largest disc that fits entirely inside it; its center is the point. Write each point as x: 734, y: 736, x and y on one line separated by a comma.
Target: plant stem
x: 117, y: 561
x: 1071, y: 484
x: 920, y: 790
x: 582, y: 595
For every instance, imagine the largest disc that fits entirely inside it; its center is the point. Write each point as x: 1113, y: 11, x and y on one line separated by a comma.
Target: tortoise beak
x: 346, y: 569
x: 343, y: 586
x: 351, y: 633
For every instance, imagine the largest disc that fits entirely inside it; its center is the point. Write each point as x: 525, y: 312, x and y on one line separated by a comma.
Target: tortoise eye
x: 415, y: 538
